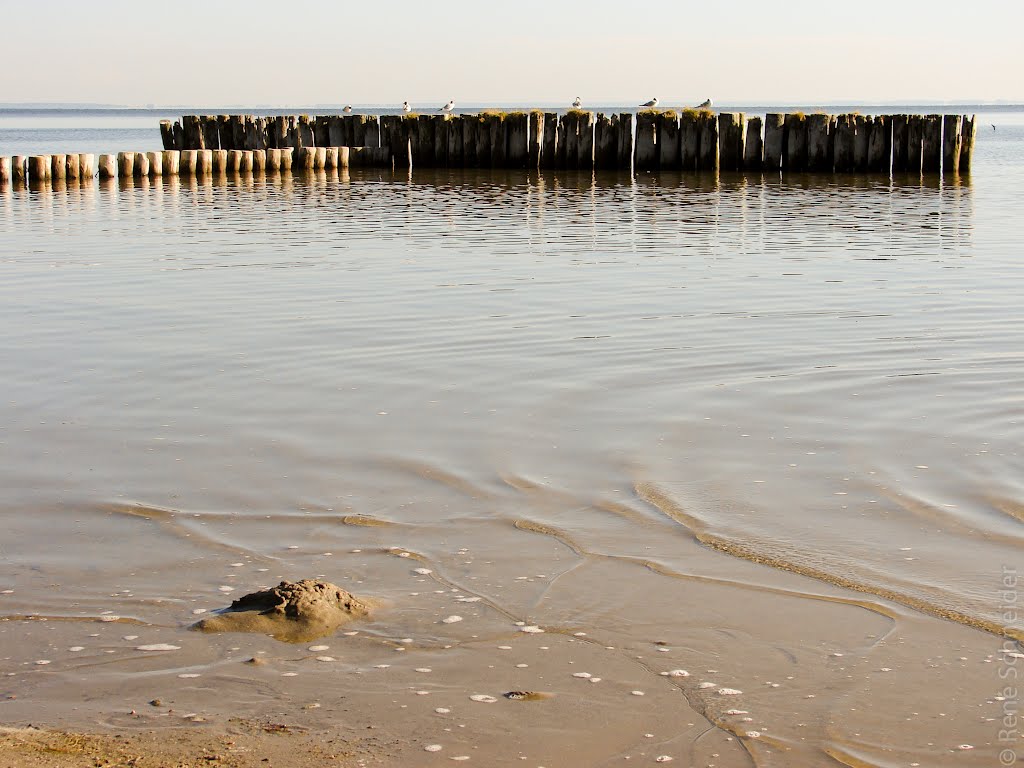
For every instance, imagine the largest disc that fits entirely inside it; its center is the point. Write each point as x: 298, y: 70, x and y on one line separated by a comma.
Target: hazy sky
x: 223, y: 52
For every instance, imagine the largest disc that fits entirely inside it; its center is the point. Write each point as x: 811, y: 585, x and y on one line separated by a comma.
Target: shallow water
x: 772, y: 423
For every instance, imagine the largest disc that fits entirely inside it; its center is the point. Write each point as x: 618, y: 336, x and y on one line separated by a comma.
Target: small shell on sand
x: 482, y: 698
x: 965, y: 747
x: 728, y: 692
x: 432, y: 748
x: 531, y: 629
x: 460, y: 758
x: 198, y: 611
x: 753, y: 734
x: 158, y: 647
x: 225, y: 588
x: 424, y: 669
x: 637, y: 693
x: 325, y: 658
x: 736, y: 712
x: 76, y: 648
x: 316, y: 648
x: 43, y: 662
x: 663, y: 759
x: 442, y: 710
x: 708, y: 685
x: 451, y: 619
x: 188, y: 675
x: 677, y: 673
x: 422, y: 571
x: 110, y: 618
x: 582, y: 674
x: 383, y: 666
x: 527, y: 695
x: 467, y: 600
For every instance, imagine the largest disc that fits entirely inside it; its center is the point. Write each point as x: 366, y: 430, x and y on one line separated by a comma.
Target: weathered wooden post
x: 108, y: 166
x: 585, y: 138
x: 795, y: 140
x: 204, y: 162
x: 645, y: 155
x: 689, y: 139
x: 5, y: 171
x: 237, y: 125
x: 536, y: 138
x: 484, y: 147
x: 259, y: 160
x: 668, y: 140
x: 931, y: 151
x: 774, y: 132
x: 330, y: 158
x: 952, y: 143
x: 179, y: 135
x: 899, y: 143
x: 71, y: 167
x: 322, y: 131
x: 225, y: 135
x: 753, y: 145
x: 425, y: 142
x: 915, y: 143
x: 155, y: 161
x: 211, y: 132
x: 969, y: 133
x: 625, y: 142
x: 456, y: 149
x: 517, y: 130
x: 469, y: 125
x: 550, y: 141
x: 58, y: 167
x: 605, y: 149
x: 708, y: 159
x: 193, y: 127
x: 843, y: 137
x: 568, y: 139
x: 441, y: 125
x: 86, y: 165
x: 19, y: 170
x: 371, y: 131
x: 861, y: 139
x: 319, y: 158
x: 170, y: 162
x: 254, y: 133
x: 818, y: 143
x: 335, y: 136
x: 188, y: 161
x: 167, y: 134
x: 286, y: 158
x: 220, y: 160
x: 274, y: 160
x: 125, y: 164
x: 880, y: 145
x: 344, y: 157
x: 730, y: 140
x: 248, y: 161
x: 305, y: 132
x: 393, y: 132
x: 235, y: 161
x: 499, y: 142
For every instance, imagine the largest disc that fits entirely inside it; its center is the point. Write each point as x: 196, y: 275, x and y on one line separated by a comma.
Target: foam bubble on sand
x: 422, y: 693
x: 736, y: 712
x: 110, y: 617
x: 424, y: 669
x: 325, y: 658
x: 383, y: 666
x: 432, y: 748
x: 579, y: 634
x: 197, y: 611
x: 460, y: 758
x: 225, y: 588
x: 188, y: 675
x: 289, y: 674
x: 676, y: 673
x: 753, y: 734
x: 130, y: 637
x: 584, y: 675
x: 423, y: 571
x: 504, y: 647
x: 532, y: 629
x: 467, y: 600
x: 522, y: 666
x: 158, y: 647
x: 595, y: 679
x: 316, y: 648
x: 728, y: 692
x: 442, y: 710
x: 708, y: 685
x: 76, y: 648
x: 482, y: 698
x: 451, y: 619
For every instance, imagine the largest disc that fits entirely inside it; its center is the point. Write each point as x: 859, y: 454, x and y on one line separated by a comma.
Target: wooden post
x: 193, y: 127
x: 248, y: 161
x: 72, y: 169
x: 880, y: 145
x: 818, y: 143
x: 225, y: 136
x: 842, y: 143
x: 441, y: 125
x: 899, y: 143
x: 550, y: 141
x: 689, y: 139
x: 58, y: 167
x: 204, y: 162
x: 39, y: 167
x: 569, y: 139
x: 334, y: 131
x: 730, y: 140
x: 931, y: 151
x: 669, y: 151
x: 5, y: 171
x: 861, y: 140
x: 86, y: 165
x: 286, y: 158
x: 171, y: 161
x: 969, y: 133
x: 605, y: 150
x: 305, y: 132
x: 518, y: 149
x: 952, y: 143
x: 456, y: 146
x: 253, y: 133
x: 344, y: 157
x: 425, y: 142
x: 125, y: 164
x: 274, y: 160
x: 753, y: 145
x: 915, y: 142
x: 155, y: 161
x: 371, y: 132
x: 319, y: 158
x: 179, y: 135
x: 167, y: 134
x: 188, y: 161
x: 235, y: 161
x: 499, y: 142
x: 108, y: 166
x: 322, y: 131
x: 483, y: 141
x: 259, y: 160
x: 585, y: 137
x: 330, y: 158
x: 237, y: 126
x: 211, y: 133
x: 536, y: 140
x: 220, y: 160
x: 348, y: 131
x: 470, y: 125
x: 795, y: 141
x: 707, y: 159
x: 625, y: 141
x: 645, y: 155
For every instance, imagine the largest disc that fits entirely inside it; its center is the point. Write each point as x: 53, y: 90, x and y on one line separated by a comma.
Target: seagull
x: 705, y: 105
x: 447, y: 108
x: 651, y: 104
x: 347, y: 109
x: 406, y: 107
x: 578, y: 103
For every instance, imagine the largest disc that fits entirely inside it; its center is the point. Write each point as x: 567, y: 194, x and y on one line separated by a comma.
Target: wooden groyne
x: 650, y: 140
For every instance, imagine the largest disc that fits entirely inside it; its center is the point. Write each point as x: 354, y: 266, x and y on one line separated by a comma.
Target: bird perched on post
x: 348, y: 109
x: 651, y: 104
x: 705, y: 105
x: 406, y: 107
x: 577, y: 103
x: 447, y: 108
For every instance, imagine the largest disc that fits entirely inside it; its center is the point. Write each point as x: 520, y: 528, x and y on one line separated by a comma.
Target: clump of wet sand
x: 293, y: 612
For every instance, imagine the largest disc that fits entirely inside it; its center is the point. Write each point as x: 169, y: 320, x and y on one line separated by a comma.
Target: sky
x: 532, y: 52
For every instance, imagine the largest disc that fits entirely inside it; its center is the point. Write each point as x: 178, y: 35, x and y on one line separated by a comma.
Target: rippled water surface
x: 655, y: 404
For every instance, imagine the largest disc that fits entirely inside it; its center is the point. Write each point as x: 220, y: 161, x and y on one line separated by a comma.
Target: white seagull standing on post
x: 577, y: 103
x: 705, y: 105
x: 447, y: 108
x: 406, y: 107
x: 347, y: 109
x: 651, y: 104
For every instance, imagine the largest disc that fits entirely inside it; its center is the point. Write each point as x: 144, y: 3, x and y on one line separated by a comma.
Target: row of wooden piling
x: 171, y: 162
x: 662, y: 140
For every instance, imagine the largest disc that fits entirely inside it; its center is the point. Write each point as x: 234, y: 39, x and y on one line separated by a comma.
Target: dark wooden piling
x: 571, y: 121
x: 5, y: 171
x: 371, y: 133
x: 395, y: 139
x: 689, y: 139
x: 58, y: 167
x: 819, y: 155
x: 19, y: 170
x: 843, y: 137
x: 225, y: 138
x: 645, y: 153
x: 899, y: 143
x: 915, y: 143
x: 483, y: 141
x: 321, y: 131
x: 585, y: 141
x: 880, y: 145
x: 517, y: 132
x: 708, y: 159
x: 211, y: 132
x: 167, y: 134
x: 424, y: 142
x: 952, y: 143
x: 335, y: 137
x: 969, y: 133
x: 861, y: 139
x: 753, y: 145
x: 499, y: 142
x: 550, y: 140
x: 730, y: 140
x: 456, y: 146
x: 536, y: 138
x: 669, y: 148
x: 625, y: 142
x: 179, y: 135
x: 931, y: 149
x: 236, y: 124
x: 442, y: 126
x: 795, y: 141
x: 303, y: 160
x: 255, y: 133
x: 470, y: 125
x: 605, y: 138
x: 305, y: 132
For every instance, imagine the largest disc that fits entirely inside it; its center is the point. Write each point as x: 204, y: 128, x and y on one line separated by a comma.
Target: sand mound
x: 294, y: 612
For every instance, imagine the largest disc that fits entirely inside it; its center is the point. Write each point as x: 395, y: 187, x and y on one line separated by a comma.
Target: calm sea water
x: 819, y: 374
